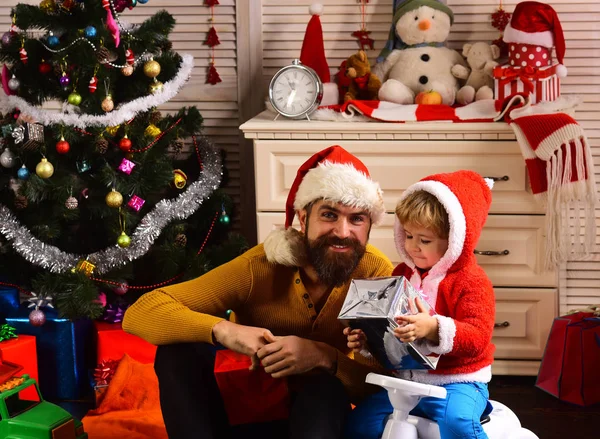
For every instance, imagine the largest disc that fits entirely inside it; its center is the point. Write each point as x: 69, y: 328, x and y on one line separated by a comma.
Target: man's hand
x: 357, y: 339
x: 291, y: 355
x: 242, y: 339
x: 417, y: 326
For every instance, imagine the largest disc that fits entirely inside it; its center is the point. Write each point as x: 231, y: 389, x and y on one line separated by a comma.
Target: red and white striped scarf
x: 560, y: 166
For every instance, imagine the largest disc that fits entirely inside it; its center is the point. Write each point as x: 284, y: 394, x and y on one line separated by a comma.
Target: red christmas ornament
x: 213, y: 76
x: 62, y: 146
x: 44, y: 68
x: 23, y: 55
x: 363, y: 39
x: 125, y: 144
x: 212, y: 39
x: 93, y: 85
x: 500, y: 19
x: 129, y: 57
x: 211, y: 2
x: 106, y: 4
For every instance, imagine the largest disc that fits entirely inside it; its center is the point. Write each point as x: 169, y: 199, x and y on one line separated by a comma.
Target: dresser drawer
x: 523, y: 321
x: 396, y: 165
x: 520, y: 235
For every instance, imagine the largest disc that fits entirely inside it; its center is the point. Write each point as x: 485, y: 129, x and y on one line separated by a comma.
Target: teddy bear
x: 415, y: 58
x: 480, y: 82
x: 363, y: 84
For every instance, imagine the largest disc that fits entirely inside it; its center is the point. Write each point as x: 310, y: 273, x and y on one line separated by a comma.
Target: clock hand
x: 291, y: 98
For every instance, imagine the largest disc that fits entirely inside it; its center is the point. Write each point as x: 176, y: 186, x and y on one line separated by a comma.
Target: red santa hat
x: 537, y: 23
x: 332, y: 174
x: 312, y: 55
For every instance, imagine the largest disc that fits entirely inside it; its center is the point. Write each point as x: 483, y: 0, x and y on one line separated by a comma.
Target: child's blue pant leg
x: 367, y: 420
x: 458, y: 416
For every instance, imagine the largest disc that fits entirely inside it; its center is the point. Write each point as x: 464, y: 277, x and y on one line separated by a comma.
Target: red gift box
x: 113, y: 343
x: 570, y: 368
x: 541, y: 83
x: 249, y: 396
x: 22, y: 351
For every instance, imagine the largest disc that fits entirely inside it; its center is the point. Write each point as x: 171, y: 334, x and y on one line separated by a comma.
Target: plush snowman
x: 417, y: 59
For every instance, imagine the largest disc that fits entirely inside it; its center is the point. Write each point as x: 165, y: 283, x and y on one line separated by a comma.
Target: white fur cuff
x: 446, y: 332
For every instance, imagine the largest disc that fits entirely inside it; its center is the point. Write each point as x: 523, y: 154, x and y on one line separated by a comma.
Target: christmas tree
x: 99, y: 200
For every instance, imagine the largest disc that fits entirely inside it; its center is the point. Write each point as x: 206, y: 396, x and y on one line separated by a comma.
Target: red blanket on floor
x: 131, y: 408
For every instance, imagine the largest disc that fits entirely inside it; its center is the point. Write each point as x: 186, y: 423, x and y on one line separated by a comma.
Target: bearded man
x: 286, y: 295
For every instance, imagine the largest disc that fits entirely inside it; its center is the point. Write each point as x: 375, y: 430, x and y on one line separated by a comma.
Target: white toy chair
x: 405, y: 395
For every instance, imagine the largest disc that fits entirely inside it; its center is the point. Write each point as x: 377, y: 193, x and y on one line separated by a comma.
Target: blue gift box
x: 9, y: 302
x: 64, y: 351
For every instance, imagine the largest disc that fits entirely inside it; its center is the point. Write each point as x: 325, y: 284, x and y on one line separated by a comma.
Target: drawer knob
x: 491, y: 253
x: 504, y: 178
x: 502, y: 325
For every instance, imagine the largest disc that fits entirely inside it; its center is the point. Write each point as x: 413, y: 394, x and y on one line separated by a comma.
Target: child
x: 438, y: 223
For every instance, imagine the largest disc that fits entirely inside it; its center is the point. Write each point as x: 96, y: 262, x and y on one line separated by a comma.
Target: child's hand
x: 420, y: 325
x: 357, y: 340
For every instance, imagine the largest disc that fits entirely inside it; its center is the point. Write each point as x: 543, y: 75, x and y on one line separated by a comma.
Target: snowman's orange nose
x: 424, y: 24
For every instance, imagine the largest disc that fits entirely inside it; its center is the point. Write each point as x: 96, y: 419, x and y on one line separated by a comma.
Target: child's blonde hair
x: 424, y: 210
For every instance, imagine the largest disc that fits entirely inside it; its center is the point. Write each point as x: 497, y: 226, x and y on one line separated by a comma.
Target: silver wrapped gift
x: 30, y: 135
x: 371, y: 305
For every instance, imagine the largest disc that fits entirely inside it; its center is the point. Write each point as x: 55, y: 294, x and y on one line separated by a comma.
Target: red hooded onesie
x: 456, y: 286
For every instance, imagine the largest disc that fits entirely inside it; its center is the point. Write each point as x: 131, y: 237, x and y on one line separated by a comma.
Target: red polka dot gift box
x: 533, y: 32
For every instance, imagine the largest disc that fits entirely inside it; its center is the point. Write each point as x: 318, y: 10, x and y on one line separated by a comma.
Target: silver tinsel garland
x: 150, y: 227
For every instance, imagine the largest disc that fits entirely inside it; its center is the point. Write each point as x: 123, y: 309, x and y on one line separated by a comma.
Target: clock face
x: 294, y: 91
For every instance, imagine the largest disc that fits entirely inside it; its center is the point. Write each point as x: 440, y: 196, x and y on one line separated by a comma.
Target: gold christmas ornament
x: 108, y: 104
x: 156, y: 86
x: 48, y: 6
x: 112, y: 131
x: 152, y: 131
x: 127, y: 70
x: 151, y: 69
x: 123, y: 240
x: 114, y: 199
x: 179, y: 179
x: 85, y: 266
x: 44, y: 168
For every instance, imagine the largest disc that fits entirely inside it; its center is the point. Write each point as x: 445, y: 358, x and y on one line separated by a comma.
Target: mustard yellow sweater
x: 260, y: 294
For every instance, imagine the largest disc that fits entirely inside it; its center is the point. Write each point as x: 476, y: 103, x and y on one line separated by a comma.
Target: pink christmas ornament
x: 126, y: 166
x: 122, y: 288
x: 37, y: 317
x: 101, y: 299
x: 111, y: 24
x: 136, y: 203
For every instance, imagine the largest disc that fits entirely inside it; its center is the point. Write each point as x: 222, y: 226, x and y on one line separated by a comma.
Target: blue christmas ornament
x: 143, y: 2
x: 23, y: 173
x: 53, y: 41
x: 90, y: 32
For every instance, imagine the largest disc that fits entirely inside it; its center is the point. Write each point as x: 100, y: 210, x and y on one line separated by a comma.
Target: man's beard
x: 333, y: 268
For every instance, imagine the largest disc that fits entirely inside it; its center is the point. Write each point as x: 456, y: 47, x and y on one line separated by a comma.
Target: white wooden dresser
x: 512, y: 242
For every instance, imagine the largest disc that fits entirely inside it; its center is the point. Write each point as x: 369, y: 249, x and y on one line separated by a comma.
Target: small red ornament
x: 213, y: 76
x: 125, y: 144
x: 23, y: 55
x: 44, y: 68
x: 212, y: 39
x: 62, y: 146
x: 106, y: 4
x: 363, y: 39
x: 93, y: 85
x: 500, y: 19
x: 211, y: 2
x: 129, y: 57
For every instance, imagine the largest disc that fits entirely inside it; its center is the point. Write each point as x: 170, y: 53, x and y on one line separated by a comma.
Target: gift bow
x: 594, y: 309
x: 525, y: 74
x: 7, y: 332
